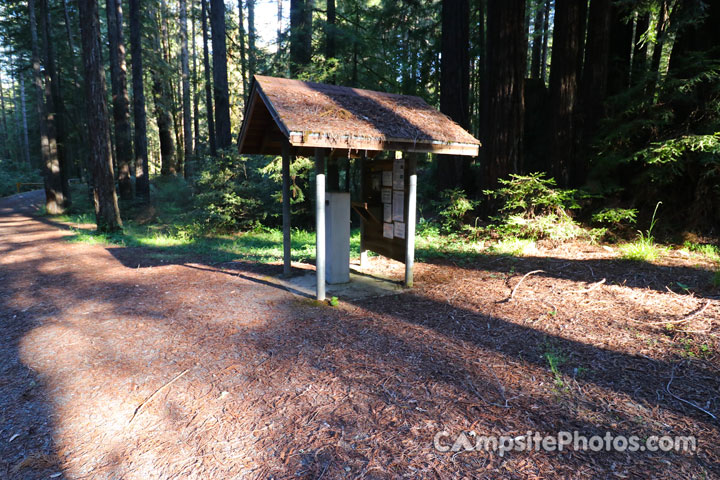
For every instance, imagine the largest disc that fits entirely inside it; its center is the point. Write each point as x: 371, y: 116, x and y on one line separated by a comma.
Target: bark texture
x: 220, y: 77
x: 107, y: 212
x: 506, y: 63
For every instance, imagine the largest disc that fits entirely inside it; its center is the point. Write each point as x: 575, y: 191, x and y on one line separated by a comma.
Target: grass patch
x: 711, y: 252
x: 517, y: 247
x: 642, y: 250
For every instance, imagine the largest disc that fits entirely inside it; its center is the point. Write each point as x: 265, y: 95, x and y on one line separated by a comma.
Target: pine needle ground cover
x: 120, y: 364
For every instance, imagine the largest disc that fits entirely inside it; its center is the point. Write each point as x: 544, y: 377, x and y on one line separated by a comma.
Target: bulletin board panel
x: 383, y: 208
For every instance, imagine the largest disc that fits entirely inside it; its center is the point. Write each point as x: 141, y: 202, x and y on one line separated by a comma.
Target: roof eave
x: 355, y: 142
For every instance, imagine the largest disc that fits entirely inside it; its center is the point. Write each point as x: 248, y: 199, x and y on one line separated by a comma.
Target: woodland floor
x: 250, y: 381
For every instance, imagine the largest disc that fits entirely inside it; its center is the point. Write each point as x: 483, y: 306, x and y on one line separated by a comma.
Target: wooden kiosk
x: 295, y: 118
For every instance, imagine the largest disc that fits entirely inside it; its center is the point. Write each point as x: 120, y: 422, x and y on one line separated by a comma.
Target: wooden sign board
x: 385, y: 201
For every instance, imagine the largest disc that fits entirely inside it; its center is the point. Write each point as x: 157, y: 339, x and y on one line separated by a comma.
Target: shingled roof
x: 344, y: 119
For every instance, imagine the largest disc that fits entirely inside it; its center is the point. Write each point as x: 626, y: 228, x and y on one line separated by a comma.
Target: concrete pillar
x: 320, y: 222
x: 411, y: 214
x: 286, y: 207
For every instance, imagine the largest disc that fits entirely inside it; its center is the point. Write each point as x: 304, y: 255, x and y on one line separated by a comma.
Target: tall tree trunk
x: 59, y: 113
x: 195, y: 97
x: 454, y: 171
x: 593, y: 88
x: 107, y: 212
x: 482, y: 69
x: 564, y: 87
x: 120, y: 98
x: 54, y: 199
x: 639, y: 59
x: 26, y: 139
x: 220, y: 80
x: 660, y: 32
x: 243, y: 56
x: 208, y: 84
x: 537, y: 39
x: 142, y: 172
x: 185, y: 64
x: 163, y: 105
x: 546, y: 35
x: 5, y: 137
x: 330, y: 33
x: 300, y: 35
x: 506, y: 62
x: 279, y: 49
x: 252, y: 34
x: 172, y: 94
x: 621, y: 32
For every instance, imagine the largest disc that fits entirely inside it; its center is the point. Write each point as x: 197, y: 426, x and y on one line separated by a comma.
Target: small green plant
x: 453, y: 207
x: 334, y: 302
x: 615, y: 216
x: 644, y: 248
x: 533, y: 194
x: 531, y: 206
x: 555, y: 360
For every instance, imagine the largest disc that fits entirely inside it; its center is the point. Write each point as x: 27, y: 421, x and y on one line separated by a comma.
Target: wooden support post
x: 320, y: 222
x: 286, y: 207
x: 410, y: 228
x: 363, y: 249
x: 333, y: 174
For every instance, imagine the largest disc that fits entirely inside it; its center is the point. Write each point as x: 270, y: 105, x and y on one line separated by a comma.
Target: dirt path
x: 116, y: 365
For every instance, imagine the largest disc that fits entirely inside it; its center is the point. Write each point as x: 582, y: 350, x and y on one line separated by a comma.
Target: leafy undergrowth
x: 172, y: 228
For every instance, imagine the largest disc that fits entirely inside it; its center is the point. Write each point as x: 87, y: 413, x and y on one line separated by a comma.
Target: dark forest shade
x: 621, y: 34
x: 454, y: 171
x: 506, y: 63
x: 142, y: 181
x: 220, y: 78
x: 107, y: 213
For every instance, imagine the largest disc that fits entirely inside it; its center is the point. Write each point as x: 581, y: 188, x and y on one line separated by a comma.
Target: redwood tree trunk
x: 185, y: 65
x: 162, y: 91
x: 506, y: 63
x: 54, y: 198
x: 564, y: 87
x: 251, y: 39
x: 657, y: 50
x: 208, y: 84
x: 300, y: 35
x: 121, y: 100
x: 5, y: 137
x: 593, y: 88
x: 243, y: 57
x: 621, y: 32
x: 220, y: 80
x: 639, y: 59
x: 58, y: 113
x: 454, y: 171
x: 537, y: 43
x: 142, y: 180
x: 195, y: 96
x: 107, y: 212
